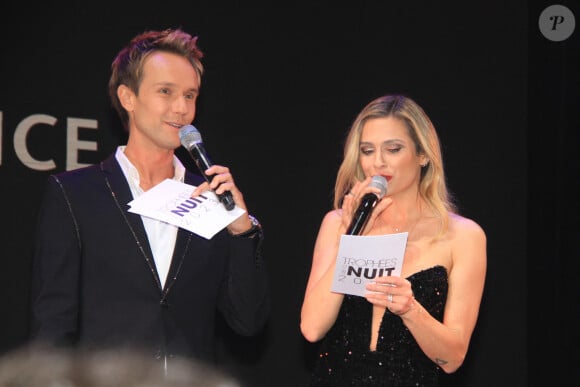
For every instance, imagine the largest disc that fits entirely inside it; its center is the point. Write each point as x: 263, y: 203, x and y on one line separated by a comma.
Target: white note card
x: 361, y: 259
x: 170, y: 201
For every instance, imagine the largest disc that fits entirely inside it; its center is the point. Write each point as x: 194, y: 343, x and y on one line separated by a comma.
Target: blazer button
x: 164, y: 303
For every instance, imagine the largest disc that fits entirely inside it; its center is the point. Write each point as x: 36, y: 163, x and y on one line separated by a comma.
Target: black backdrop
x: 283, y: 83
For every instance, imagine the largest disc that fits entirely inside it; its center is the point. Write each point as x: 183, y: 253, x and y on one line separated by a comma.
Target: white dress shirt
x: 161, y: 235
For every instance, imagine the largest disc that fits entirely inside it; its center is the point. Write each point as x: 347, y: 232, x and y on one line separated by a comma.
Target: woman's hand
x: 391, y: 292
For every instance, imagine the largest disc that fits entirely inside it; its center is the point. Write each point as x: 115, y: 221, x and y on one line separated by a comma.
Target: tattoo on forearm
x: 440, y: 361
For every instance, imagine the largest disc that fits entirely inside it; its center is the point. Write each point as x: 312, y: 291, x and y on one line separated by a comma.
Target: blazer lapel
x: 182, y: 244
x: 121, y: 194
x: 181, y: 248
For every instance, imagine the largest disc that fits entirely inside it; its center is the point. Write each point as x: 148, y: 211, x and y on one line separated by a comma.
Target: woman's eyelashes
x: 389, y: 149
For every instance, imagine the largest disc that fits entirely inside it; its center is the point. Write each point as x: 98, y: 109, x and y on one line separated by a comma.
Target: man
x: 104, y: 277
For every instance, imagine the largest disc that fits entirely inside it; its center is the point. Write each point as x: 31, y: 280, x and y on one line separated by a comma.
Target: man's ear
x: 126, y: 97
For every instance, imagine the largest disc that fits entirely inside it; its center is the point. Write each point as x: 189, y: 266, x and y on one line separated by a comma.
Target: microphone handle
x: 362, y: 214
x: 203, y: 162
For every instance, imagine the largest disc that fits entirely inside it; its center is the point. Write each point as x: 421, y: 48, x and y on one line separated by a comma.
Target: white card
x: 361, y: 259
x: 170, y: 201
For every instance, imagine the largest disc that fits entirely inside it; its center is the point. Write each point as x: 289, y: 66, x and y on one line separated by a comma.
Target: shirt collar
x: 132, y: 174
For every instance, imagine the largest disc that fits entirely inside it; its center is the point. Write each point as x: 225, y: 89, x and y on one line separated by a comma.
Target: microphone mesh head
x: 189, y: 135
x: 381, y: 183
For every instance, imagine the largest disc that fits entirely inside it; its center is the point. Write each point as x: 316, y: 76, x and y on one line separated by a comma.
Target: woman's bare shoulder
x: 332, y: 216
x: 465, y: 226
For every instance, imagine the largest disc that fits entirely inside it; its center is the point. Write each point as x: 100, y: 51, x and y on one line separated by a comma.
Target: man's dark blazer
x: 95, y: 284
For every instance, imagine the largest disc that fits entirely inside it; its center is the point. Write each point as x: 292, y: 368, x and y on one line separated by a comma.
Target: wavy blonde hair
x: 432, y: 184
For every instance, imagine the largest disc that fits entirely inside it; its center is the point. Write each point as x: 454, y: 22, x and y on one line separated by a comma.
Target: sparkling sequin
x: 345, y: 359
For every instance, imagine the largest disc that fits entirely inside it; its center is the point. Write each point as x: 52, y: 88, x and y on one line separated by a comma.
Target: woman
x: 402, y: 334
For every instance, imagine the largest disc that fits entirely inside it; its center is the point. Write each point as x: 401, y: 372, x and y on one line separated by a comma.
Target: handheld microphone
x: 367, y: 203
x: 191, y: 140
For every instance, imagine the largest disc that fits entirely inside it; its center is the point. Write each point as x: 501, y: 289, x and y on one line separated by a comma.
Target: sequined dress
x: 344, y: 355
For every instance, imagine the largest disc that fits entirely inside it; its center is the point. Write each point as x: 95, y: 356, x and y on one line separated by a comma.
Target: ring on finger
x: 389, y: 297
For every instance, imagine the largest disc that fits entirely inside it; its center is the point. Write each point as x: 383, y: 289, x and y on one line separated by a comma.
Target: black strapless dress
x: 344, y: 355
